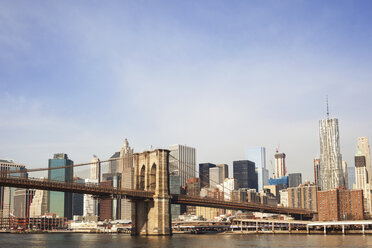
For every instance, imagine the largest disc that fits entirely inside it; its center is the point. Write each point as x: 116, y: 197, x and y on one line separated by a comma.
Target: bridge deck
x: 94, y: 189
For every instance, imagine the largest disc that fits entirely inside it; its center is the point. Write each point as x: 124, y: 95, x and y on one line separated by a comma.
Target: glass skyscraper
x: 258, y: 156
x: 60, y: 203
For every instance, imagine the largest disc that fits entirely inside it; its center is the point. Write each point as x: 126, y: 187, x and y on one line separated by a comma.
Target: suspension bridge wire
x: 60, y: 167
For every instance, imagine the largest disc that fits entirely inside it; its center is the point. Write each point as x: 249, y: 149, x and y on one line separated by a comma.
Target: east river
x: 181, y: 240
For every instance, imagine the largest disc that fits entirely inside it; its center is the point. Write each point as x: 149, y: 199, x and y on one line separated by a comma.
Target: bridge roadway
x: 93, y: 189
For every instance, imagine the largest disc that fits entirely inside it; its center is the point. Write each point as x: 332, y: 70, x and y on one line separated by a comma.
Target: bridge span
x: 150, y: 194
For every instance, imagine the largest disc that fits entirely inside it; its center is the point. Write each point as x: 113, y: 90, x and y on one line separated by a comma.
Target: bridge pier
x: 152, y: 216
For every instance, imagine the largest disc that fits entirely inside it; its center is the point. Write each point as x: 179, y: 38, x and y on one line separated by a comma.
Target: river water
x: 182, y: 240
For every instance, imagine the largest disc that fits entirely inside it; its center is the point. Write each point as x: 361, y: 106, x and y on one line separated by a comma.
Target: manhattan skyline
x: 78, y: 78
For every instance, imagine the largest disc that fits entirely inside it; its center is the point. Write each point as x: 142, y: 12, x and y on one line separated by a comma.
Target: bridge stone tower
x: 152, y: 217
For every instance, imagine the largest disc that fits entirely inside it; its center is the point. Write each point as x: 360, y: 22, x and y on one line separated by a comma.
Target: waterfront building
x: 7, y: 193
x: 294, y: 179
x: 204, y: 173
x: 60, y: 203
x: 211, y: 213
x: 351, y: 177
x: 245, y: 173
x: 317, y: 171
x: 331, y: 173
x: 258, y: 156
x: 339, y: 204
x: 182, y: 160
x: 280, y: 166
x: 304, y: 196
x: 363, y: 147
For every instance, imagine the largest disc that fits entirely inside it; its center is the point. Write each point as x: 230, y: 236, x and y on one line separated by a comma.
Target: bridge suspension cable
x: 59, y: 167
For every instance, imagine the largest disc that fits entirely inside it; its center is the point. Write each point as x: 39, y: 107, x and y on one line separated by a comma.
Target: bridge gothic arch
x: 151, y: 173
x: 152, y: 184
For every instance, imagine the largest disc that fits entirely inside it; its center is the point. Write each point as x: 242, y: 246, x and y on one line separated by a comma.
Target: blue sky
x: 80, y: 76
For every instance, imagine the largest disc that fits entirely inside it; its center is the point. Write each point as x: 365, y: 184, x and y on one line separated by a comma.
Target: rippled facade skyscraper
x: 331, y: 172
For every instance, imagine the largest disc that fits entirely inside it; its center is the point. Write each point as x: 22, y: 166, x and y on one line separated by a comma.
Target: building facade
x: 7, y: 193
x: 280, y: 166
x: 204, y: 173
x: 39, y: 204
x: 258, y: 156
x: 245, y: 174
x: 316, y: 171
x: 337, y: 205
x: 304, y: 196
x: 182, y: 160
x: 60, y: 203
x: 363, y: 147
x: 294, y: 180
x: 331, y: 173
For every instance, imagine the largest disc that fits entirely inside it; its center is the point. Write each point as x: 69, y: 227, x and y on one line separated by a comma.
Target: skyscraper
x: 204, y: 174
x: 60, y: 203
x: 245, y: 173
x: 182, y: 161
x: 258, y: 156
x: 361, y: 173
x: 331, y: 173
x: 95, y: 169
x: 127, y: 171
x: 316, y: 171
x: 294, y: 179
x: 280, y: 167
x: 351, y: 176
x: 225, y: 170
x: 215, y: 176
x: 345, y: 171
x: 364, y: 148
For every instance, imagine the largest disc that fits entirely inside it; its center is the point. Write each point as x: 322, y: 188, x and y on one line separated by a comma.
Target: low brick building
x: 340, y: 204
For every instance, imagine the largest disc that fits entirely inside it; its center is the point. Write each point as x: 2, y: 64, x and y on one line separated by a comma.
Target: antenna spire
x: 327, y: 107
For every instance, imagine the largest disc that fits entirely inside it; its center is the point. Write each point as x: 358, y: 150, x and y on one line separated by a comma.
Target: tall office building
x: 60, y: 203
x: 364, y: 148
x: 316, y: 171
x: 331, y: 173
x: 280, y: 167
x: 204, y: 173
x: 258, y: 156
x: 351, y: 176
x: 345, y: 171
x: 361, y: 173
x: 182, y: 161
x: 215, y: 176
x: 225, y: 170
x: 245, y: 173
x: 7, y: 193
x: 90, y: 203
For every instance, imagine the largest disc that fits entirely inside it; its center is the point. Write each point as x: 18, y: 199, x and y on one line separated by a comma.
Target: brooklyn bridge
x: 150, y: 194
